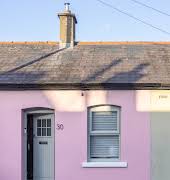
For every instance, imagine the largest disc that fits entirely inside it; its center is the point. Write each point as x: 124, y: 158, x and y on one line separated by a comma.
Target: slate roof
x: 88, y: 65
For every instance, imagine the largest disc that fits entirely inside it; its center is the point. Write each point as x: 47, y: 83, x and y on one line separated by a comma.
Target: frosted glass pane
x: 48, y: 122
x: 38, y: 131
x: 39, y: 123
x: 44, y: 123
x: 43, y: 131
x: 48, y: 131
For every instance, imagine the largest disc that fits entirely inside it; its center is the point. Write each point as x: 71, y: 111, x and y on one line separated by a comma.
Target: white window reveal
x: 104, y: 137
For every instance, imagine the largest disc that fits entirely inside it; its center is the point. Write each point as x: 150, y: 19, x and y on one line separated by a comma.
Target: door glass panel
x: 39, y: 123
x: 44, y: 123
x: 48, y: 131
x: 48, y: 122
x: 38, y: 131
x: 43, y: 131
x: 43, y: 127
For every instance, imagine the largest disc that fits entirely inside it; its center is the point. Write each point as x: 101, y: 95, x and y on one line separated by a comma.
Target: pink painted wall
x: 71, y: 143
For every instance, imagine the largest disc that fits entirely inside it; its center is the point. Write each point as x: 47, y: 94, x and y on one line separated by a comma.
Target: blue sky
x: 36, y: 20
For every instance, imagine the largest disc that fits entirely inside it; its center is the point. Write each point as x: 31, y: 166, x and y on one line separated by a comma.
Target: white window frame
x: 102, y: 108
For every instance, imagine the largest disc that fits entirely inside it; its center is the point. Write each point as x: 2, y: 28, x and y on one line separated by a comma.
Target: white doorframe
x: 25, y: 113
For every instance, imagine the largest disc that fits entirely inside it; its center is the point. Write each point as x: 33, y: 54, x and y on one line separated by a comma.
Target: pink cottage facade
x: 71, y: 142
x: 79, y: 111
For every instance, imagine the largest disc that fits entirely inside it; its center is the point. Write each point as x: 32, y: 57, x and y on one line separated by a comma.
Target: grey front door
x: 43, y: 147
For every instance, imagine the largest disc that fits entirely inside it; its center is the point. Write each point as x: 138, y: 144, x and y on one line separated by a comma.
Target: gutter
x: 85, y: 86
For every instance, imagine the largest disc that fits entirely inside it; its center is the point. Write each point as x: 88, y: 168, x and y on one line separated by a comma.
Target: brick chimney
x: 67, y: 27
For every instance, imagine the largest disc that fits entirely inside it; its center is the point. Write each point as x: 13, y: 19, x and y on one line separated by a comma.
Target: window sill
x: 118, y: 164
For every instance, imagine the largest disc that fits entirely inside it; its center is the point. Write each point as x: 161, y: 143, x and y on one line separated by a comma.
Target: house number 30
x: 60, y: 127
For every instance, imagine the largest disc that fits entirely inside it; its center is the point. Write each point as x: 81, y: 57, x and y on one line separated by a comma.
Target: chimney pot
x: 67, y: 6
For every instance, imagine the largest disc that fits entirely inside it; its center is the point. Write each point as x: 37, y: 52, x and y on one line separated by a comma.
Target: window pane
x: 104, y: 121
x: 44, y: 123
x: 104, y: 146
x: 43, y: 131
x: 39, y: 123
x: 48, y: 131
x: 38, y: 131
x: 48, y: 122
